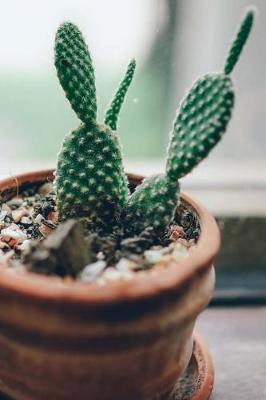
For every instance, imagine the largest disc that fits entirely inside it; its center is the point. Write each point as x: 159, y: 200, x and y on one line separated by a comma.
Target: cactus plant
x: 201, y: 120
x: 90, y: 178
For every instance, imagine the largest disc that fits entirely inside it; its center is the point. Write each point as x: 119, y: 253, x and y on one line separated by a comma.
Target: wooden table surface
x: 236, y: 338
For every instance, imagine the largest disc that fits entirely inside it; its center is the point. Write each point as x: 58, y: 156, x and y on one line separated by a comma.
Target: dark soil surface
x: 31, y: 216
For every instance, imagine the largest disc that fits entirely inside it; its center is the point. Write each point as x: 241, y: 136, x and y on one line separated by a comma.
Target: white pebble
x: 3, y: 214
x: 39, y: 219
x: 125, y: 265
x: 92, y: 271
x: 180, y: 252
x: 25, y: 245
x: 154, y: 256
x: 112, y: 274
x: 6, y: 208
x: 16, y: 234
x: 25, y: 220
x: 100, y: 256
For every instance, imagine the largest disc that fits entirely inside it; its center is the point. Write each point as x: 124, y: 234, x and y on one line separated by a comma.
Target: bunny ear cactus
x: 200, y: 123
x: 90, y: 179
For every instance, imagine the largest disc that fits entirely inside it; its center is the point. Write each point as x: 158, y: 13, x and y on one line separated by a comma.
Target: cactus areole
x: 90, y: 179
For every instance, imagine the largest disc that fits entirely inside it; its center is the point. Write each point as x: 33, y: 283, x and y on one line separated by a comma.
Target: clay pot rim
x: 143, y: 285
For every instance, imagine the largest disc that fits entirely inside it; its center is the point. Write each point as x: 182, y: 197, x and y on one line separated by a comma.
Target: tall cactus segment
x: 75, y: 71
x: 200, y: 123
x: 113, y: 111
x: 239, y: 41
x: 90, y: 179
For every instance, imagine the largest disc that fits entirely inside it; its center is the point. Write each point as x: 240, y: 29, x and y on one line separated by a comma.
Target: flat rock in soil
x: 64, y: 252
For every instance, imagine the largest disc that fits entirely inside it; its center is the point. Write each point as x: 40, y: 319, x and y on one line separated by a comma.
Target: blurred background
x: 173, y: 41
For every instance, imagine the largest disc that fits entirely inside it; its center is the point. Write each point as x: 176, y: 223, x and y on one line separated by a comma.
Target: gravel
x: 32, y: 215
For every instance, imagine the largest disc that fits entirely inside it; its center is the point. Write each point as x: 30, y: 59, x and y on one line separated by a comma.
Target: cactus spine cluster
x: 90, y: 179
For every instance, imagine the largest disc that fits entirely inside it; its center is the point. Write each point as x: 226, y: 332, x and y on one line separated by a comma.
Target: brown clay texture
x: 196, y: 383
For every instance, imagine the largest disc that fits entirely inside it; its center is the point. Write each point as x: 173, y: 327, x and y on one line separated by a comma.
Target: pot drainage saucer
x: 197, y: 381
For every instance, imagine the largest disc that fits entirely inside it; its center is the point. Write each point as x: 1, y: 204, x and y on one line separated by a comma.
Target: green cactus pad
x: 202, y: 119
x: 75, y: 71
x: 200, y: 123
x: 153, y: 204
x: 114, y: 109
x: 89, y: 177
x: 239, y: 41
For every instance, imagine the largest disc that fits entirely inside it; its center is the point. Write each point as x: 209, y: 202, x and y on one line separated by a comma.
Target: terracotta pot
x: 126, y: 340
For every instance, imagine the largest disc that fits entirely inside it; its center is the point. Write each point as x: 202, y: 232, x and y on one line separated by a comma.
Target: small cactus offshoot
x: 90, y: 178
x: 113, y: 111
x: 239, y: 41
